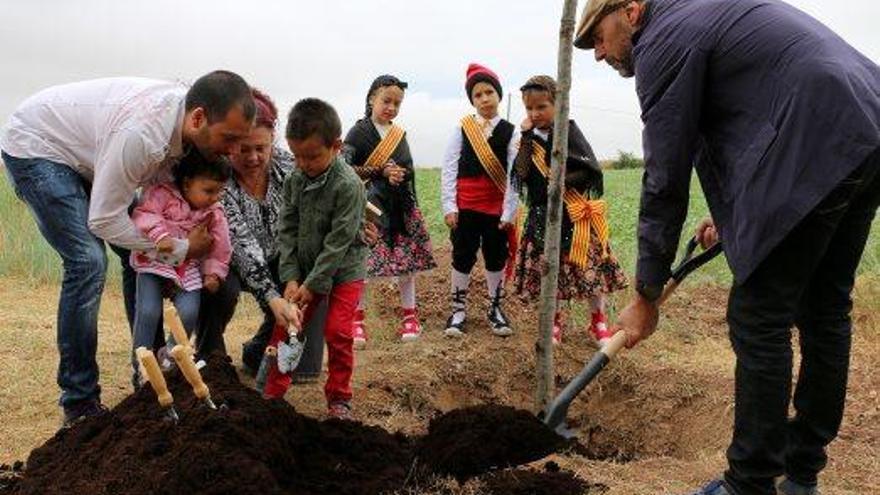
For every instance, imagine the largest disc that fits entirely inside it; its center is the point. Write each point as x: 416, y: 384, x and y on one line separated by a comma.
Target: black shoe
x: 79, y: 411
x: 497, y: 319
x: 500, y: 323
x: 455, y: 328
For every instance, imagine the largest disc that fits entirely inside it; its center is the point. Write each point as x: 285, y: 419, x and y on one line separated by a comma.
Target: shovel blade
x: 289, y: 355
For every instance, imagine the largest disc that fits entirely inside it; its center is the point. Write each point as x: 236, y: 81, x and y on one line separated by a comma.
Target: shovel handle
x: 558, y: 409
x: 184, y: 361
x: 172, y: 319
x: 154, y: 374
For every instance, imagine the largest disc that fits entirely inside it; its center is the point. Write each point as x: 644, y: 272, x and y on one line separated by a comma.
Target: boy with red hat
x: 478, y: 202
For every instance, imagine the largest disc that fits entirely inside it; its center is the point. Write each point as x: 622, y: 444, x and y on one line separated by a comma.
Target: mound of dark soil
x: 552, y: 481
x: 264, y: 447
x: 467, y: 442
x: 256, y: 447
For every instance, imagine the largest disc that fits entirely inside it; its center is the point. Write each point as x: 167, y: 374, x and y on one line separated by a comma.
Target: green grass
x: 25, y: 254
x: 622, y: 191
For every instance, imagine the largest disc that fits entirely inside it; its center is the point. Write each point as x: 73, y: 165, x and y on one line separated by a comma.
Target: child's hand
x: 371, y: 233
x: 451, y: 220
x: 211, y: 283
x: 290, y: 291
x: 505, y: 226
x: 304, y: 296
x: 294, y: 316
x: 165, y: 245
x: 526, y: 124
x: 394, y: 174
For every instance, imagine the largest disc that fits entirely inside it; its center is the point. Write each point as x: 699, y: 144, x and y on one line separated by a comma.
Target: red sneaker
x: 599, y: 328
x: 410, y: 329
x: 359, y: 330
x: 557, y: 329
x: 340, y: 410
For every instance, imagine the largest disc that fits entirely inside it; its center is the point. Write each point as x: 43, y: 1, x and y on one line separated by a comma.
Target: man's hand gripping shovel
x: 558, y: 409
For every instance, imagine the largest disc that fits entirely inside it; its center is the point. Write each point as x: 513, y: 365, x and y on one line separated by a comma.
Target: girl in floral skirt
x: 378, y: 151
x: 587, y: 270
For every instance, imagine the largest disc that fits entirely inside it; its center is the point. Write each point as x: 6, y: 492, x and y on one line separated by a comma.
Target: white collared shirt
x: 382, y: 129
x: 449, y: 175
x: 117, y: 133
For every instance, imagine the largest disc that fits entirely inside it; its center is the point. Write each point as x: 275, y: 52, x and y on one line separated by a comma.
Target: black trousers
x: 806, y: 282
x: 476, y: 230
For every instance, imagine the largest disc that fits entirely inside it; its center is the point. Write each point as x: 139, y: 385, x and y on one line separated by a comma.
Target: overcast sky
x: 333, y: 49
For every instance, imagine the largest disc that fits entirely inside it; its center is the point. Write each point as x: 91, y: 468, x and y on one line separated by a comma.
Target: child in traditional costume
x: 587, y: 269
x: 478, y: 203
x: 377, y: 149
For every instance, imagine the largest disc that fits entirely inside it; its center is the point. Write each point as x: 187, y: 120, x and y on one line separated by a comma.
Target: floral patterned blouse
x: 253, y: 228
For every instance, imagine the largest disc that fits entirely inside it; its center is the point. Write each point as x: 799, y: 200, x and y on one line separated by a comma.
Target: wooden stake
x: 550, y: 277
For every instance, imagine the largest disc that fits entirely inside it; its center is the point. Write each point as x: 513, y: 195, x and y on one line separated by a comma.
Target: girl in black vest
x: 379, y: 153
x: 587, y: 270
x: 478, y: 203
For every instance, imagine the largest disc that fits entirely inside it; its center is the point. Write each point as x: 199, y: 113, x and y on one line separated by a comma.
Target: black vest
x: 469, y: 165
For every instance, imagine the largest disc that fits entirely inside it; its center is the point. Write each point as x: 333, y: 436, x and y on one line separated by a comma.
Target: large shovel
x: 558, y: 409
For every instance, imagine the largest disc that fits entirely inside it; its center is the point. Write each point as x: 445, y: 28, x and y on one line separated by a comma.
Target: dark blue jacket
x: 771, y: 107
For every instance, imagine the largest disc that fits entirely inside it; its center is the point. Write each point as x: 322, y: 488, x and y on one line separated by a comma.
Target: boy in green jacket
x: 322, y: 253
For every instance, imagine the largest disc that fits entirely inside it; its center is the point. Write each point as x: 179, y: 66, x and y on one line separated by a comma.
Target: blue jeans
x: 58, y: 198
x: 149, y: 309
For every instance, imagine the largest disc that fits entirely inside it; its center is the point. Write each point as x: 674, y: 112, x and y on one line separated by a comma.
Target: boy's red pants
x: 343, y: 300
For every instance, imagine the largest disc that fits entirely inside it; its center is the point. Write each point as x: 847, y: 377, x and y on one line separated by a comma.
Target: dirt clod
x: 469, y: 441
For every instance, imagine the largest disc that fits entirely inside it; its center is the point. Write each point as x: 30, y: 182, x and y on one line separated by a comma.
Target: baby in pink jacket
x: 170, y: 211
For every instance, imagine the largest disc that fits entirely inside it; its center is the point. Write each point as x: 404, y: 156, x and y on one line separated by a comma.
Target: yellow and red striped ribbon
x: 380, y: 155
x: 497, y: 172
x: 586, y: 214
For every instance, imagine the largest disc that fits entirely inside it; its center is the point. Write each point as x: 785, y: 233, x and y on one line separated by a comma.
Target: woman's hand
x: 285, y: 313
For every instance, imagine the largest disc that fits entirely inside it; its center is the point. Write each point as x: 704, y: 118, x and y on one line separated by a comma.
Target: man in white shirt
x: 76, y: 154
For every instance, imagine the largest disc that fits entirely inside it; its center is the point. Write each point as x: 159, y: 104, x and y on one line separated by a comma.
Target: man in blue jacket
x: 781, y: 119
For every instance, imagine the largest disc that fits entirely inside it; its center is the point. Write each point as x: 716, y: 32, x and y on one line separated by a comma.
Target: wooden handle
x: 188, y: 367
x: 172, y: 319
x: 614, y: 345
x: 667, y: 291
x: 154, y: 374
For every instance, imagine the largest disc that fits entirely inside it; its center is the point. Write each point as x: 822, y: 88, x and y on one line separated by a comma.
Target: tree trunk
x: 550, y: 276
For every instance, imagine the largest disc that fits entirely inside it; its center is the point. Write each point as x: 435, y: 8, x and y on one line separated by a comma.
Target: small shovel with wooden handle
x: 182, y: 353
x: 172, y: 319
x: 558, y: 409
x: 157, y: 381
x: 183, y: 357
